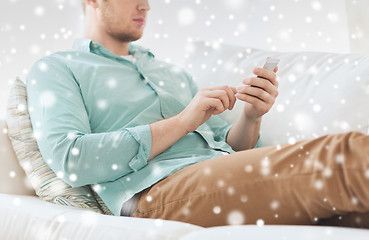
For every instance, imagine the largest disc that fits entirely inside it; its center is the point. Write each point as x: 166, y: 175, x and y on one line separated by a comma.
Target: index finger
x: 232, y: 95
x: 231, y: 92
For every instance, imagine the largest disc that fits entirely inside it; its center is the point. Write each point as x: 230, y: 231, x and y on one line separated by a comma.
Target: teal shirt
x: 91, y: 109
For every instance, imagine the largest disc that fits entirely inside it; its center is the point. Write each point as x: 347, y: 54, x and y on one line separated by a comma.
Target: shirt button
x: 145, y: 80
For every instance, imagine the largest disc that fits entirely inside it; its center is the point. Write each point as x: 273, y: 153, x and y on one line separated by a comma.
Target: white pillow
x: 319, y: 93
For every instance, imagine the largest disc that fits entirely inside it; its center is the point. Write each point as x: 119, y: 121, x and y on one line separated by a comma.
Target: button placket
x: 163, y: 108
x: 146, y: 79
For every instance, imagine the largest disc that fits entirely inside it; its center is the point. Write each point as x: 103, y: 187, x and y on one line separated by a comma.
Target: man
x: 108, y: 113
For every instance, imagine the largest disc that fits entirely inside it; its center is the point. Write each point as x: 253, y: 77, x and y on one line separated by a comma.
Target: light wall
x: 32, y: 29
x: 358, y: 23
x: 281, y: 25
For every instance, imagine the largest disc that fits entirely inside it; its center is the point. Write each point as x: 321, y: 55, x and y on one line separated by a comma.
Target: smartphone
x: 271, y: 63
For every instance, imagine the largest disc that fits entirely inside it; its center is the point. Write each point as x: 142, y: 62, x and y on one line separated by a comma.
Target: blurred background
x: 31, y: 29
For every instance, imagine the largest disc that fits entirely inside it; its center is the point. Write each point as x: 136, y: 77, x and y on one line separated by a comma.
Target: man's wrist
x: 251, y: 118
x: 180, y: 124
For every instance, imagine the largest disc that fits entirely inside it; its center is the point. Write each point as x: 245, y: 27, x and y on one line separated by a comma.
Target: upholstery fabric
x: 319, y: 93
x: 29, y: 218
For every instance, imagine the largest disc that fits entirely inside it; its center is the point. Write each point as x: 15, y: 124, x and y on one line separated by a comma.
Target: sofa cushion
x: 319, y: 93
x: 266, y: 232
x: 13, y: 180
x: 47, y: 184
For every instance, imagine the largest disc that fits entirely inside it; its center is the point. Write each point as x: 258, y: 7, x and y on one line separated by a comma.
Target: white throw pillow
x: 319, y: 93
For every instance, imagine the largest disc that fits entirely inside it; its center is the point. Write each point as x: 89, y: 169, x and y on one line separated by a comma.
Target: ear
x: 92, y: 3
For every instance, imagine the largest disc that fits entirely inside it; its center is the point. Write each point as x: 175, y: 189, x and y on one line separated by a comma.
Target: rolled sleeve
x: 258, y: 143
x: 224, y: 133
x: 142, y: 135
x: 66, y: 138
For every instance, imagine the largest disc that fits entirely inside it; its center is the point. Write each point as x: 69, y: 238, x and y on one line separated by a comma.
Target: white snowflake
x: 73, y: 177
x: 186, y: 16
x: 235, y: 217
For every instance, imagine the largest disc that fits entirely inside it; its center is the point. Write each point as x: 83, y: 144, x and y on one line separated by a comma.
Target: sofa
x: 319, y: 93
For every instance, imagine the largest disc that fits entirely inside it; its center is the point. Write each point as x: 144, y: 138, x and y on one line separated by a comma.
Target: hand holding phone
x: 259, y: 94
x: 270, y: 64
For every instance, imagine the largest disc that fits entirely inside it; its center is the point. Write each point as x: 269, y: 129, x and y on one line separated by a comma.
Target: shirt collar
x: 87, y: 45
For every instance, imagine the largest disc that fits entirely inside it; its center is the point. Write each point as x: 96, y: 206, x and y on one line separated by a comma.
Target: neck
x: 117, y: 47
x: 112, y: 44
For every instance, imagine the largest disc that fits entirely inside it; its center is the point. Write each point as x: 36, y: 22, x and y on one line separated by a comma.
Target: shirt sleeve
x: 258, y: 143
x: 62, y: 130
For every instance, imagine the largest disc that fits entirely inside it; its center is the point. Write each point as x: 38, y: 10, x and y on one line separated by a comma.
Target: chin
x: 136, y: 38
x: 128, y: 37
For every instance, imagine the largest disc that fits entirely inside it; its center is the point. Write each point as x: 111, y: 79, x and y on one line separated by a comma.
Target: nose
x: 144, y: 5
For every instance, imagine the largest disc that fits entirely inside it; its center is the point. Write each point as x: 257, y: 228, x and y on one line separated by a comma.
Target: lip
x: 140, y: 21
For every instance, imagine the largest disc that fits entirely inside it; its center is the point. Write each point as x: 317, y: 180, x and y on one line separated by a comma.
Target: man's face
x: 124, y: 20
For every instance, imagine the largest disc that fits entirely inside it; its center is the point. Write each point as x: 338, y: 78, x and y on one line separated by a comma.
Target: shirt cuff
x: 258, y: 143
x: 142, y: 135
x: 225, y: 132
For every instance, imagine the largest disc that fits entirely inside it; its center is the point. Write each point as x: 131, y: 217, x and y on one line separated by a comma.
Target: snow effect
x: 112, y: 83
x: 39, y: 11
x: 188, y: 15
x: 75, y: 151
x: 114, y: 166
x: 231, y: 191
x: 149, y: 198
x: 217, y: 210
x: 319, y: 184
x: 354, y: 200
x: 102, y: 104
x: 220, y: 183
x: 207, y: 171
x: 73, y: 177
x: 47, y: 99
x: 265, y: 166
x: 60, y: 174
x: 340, y: 158
x: 244, y: 198
x: 260, y: 222
x: 235, y: 217
x: 274, y: 205
x: 248, y: 168
x: 12, y: 174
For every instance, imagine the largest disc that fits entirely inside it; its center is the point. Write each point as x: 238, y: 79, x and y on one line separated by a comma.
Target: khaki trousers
x: 322, y: 181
